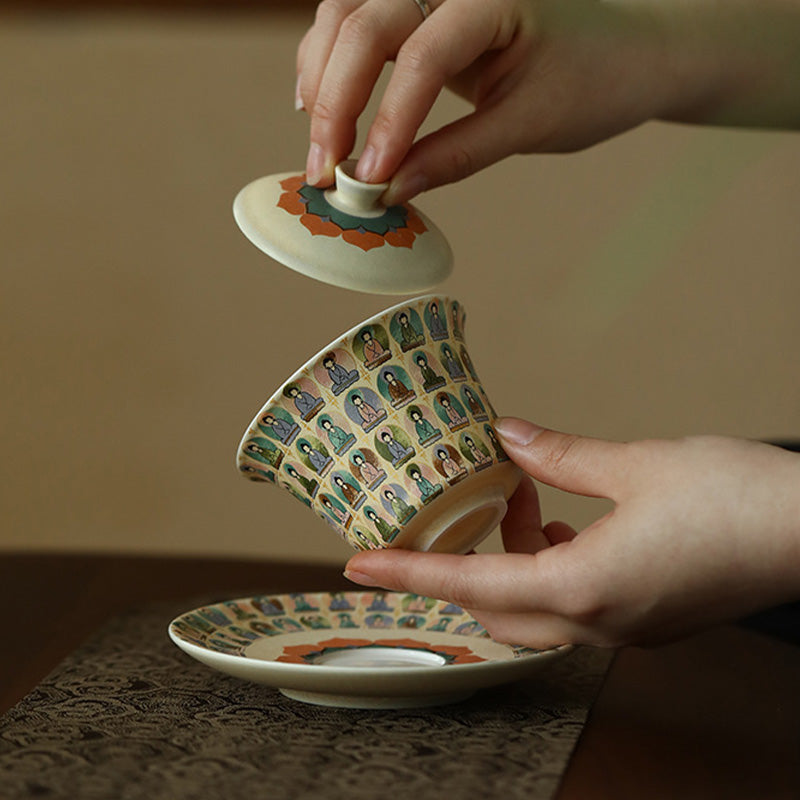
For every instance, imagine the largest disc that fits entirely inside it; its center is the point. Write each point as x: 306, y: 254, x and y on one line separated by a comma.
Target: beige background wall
x: 648, y: 287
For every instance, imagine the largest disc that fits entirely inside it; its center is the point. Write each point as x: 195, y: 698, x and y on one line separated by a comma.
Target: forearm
x: 728, y: 62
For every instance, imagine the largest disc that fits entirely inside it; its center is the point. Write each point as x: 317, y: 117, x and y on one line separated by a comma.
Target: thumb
x: 578, y: 464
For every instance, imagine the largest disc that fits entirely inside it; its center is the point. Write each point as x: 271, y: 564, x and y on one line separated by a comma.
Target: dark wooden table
x: 715, y: 716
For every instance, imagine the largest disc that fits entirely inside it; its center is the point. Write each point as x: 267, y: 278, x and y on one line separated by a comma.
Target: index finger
x: 452, y: 38
x: 340, y: 74
x: 511, y: 582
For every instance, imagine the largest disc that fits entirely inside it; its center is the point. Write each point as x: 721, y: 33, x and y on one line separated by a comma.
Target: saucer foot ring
x: 377, y: 702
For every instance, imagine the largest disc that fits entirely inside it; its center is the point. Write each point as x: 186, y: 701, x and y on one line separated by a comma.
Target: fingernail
x: 315, y: 165
x: 401, y: 189
x: 360, y: 577
x: 298, y: 100
x: 366, y: 164
x: 517, y: 431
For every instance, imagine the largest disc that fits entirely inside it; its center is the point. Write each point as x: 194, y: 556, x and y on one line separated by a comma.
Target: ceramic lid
x: 344, y: 235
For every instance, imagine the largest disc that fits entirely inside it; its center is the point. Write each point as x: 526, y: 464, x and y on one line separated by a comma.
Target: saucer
x: 344, y: 235
x: 374, y: 649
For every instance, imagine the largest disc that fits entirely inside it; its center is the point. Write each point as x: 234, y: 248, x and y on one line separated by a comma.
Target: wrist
x: 774, y: 525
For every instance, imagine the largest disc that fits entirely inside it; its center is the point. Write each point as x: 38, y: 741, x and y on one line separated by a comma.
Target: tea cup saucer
x: 370, y: 649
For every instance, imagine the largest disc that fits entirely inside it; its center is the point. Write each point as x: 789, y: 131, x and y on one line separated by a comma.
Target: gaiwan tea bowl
x: 386, y: 434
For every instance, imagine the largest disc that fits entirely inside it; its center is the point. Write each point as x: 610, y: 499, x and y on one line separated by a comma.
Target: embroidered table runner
x: 129, y: 716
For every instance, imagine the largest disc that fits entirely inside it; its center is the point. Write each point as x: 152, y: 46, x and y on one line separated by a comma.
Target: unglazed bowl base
x: 467, y: 513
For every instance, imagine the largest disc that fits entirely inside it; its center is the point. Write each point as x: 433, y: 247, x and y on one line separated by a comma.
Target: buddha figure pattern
x: 231, y: 627
x: 379, y: 425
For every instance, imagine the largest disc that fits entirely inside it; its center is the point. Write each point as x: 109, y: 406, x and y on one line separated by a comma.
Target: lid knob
x: 355, y: 197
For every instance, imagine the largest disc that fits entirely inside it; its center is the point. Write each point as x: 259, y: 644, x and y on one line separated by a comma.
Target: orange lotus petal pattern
x: 303, y: 653
x: 397, y: 227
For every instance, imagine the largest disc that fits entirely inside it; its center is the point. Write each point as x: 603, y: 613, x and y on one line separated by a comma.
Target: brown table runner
x: 129, y: 716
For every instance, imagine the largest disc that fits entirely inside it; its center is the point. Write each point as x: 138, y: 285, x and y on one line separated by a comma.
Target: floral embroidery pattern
x: 398, y: 226
x: 129, y: 715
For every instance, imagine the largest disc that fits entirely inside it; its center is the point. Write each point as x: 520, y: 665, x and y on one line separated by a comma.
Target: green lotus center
x: 393, y: 219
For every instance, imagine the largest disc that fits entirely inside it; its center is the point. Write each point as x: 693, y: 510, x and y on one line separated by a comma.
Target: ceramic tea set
x: 386, y: 434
